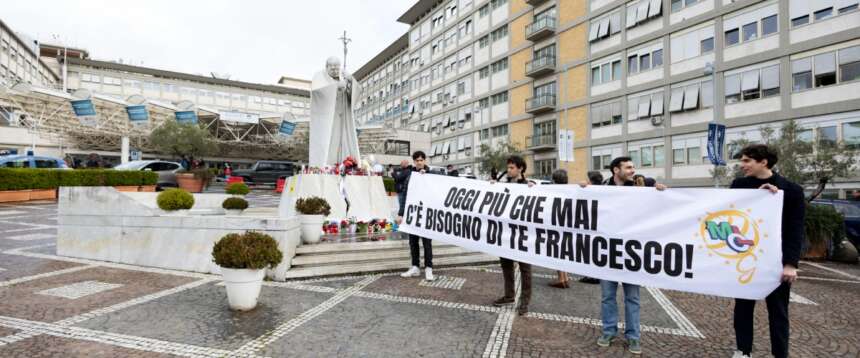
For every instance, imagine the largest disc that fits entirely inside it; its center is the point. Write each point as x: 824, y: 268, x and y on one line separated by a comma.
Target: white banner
x: 712, y: 241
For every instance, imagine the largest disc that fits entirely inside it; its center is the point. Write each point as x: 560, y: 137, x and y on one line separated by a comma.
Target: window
x: 827, y: 136
x: 499, y: 98
x: 495, y: 4
x: 499, y: 131
x: 606, y: 114
x: 801, y: 74
x: 802, y: 20
x: 645, y: 106
x: 483, y: 41
x: 484, y: 72
x: 484, y: 134
x: 769, y: 25
x: 848, y: 8
x: 688, y: 151
x: 849, y: 64
x: 499, y: 33
x: 707, y: 45
x: 484, y: 11
x: 732, y: 37
x: 692, y: 96
x: 750, y: 31
x: 657, y: 58
x: 632, y: 64
x: 643, y: 11
x: 825, y: 69
x: 645, y: 62
x: 678, y: 5
x: 606, y: 72
x: 823, y: 13
x: 499, y: 65
x: 851, y: 134
x: 544, y: 168
x: 605, y: 27
x: 397, y: 147
x: 483, y: 103
x: 647, y: 156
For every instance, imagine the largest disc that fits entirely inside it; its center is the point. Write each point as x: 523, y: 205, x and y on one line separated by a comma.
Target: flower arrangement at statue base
x: 374, y: 229
x: 349, y: 166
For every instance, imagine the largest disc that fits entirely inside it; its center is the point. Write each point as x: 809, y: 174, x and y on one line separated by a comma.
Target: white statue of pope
x: 332, y: 132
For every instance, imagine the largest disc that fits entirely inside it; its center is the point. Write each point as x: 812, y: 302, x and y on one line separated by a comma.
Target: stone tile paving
x: 156, y: 313
x: 200, y: 317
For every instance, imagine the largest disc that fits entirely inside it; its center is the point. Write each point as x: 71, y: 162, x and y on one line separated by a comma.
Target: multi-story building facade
x: 20, y: 61
x: 382, y: 109
x: 575, y: 83
x: 383, y: 87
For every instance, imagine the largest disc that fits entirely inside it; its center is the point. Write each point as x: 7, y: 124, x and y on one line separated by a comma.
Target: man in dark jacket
x: 452, y: 172
x: 401, y: 176
x: 420, y: 166
x: 516, y: 174
x: 757, y: 162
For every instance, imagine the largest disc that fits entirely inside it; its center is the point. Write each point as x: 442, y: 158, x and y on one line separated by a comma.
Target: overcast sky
x: 254, y: 41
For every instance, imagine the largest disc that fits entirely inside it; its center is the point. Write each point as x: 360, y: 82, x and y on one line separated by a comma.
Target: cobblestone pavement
x: 52, y: 306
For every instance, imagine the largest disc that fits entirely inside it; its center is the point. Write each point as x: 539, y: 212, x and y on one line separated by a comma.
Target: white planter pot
x: 243, y: 287
x: 182, y: 212
x: 232, y: 212
x: 311, y: 228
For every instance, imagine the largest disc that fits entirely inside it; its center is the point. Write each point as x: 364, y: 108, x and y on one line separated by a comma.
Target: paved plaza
x: 52, y: 306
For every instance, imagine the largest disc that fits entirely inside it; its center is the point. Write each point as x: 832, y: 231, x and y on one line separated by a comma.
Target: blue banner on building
x: 287, y: 128
x: 137, y: 114
x: 84, y: 107
x: 716, y: 142
x: 186, y: 117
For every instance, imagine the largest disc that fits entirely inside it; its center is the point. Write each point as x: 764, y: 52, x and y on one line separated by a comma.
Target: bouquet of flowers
x: 331, y: 227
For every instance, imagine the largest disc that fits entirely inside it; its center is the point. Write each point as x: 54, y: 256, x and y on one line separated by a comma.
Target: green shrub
x: 26, y: 178
x: 313, y: 206
x: 234, y: 204
x: 251, y: 250
x: 238, y: 189
x: 389, y: 184
x: 175, y: 199
x: 823, y: 223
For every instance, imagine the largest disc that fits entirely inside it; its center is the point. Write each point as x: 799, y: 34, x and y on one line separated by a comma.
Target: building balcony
x: 540, y: 66
x: 540, y: 104
x: 541, y: 142
x: 535, y: 2
x: 540, y: 28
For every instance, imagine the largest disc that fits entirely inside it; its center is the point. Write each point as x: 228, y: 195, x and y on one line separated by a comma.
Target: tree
x: 182, y: 139
x: 494, y: 160
x: 802, y: 159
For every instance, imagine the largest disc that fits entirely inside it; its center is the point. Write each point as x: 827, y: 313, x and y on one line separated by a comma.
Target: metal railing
x: 540, y: 24
x: 541, y: 140
x: 539, y: 63
x: 546, y: 101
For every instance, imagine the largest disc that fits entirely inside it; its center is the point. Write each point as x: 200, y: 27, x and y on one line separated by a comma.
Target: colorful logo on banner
x: 287, y: 128
x: 137, y: 114
x: 733, y: 235
x: 186, y: 117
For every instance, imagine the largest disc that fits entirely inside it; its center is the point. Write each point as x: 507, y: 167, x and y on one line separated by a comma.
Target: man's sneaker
x: 522, y: 309
x: 589, y: 280
x: 739, y: 354
x: 634, y: 346
x: 414, y: 271
x: 428, y: 274
x: 605, y: 340
x: 503, y: 301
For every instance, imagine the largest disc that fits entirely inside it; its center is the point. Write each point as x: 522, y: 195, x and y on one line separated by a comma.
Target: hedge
x: 22, y: 179
x: 389, y: 184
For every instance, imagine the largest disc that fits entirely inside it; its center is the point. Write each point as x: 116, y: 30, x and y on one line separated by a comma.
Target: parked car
x: 31, y: 161
x: 166, y: 171
x: 851, y: 211
x: 266, y: 171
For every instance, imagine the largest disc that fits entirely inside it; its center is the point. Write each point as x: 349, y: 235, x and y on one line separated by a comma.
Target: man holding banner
x: 622, y: 175
x: 420, y: 167
x: 757, y: 162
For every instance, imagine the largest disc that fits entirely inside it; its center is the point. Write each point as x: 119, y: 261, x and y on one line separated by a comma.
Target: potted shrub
x: 194, y: 180
x: 388, y: 182
x: 234, y: 205
x: 313, y: 211
x: 240, y: 189
x: 175, y: 200
x: 243, y: 259
x: 822, y: 225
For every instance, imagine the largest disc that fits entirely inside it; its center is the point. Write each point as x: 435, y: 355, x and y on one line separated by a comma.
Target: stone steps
x: 364, y: 257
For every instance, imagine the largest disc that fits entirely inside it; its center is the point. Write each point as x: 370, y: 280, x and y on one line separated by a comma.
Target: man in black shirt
x: 420, y: 167
x: 757, y: 162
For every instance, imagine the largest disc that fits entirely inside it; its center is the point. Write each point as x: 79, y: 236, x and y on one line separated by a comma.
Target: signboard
x: 239, y: 117
x: 137, y: 114
x: 135, y: 155
x: 716, y: 142
x: 10, y: 151
x: 84, y: 107
x: 287, y: 128
x: 186, y: 117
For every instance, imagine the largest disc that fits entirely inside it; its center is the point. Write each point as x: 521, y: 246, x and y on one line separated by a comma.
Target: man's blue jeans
x: 609, y: 309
